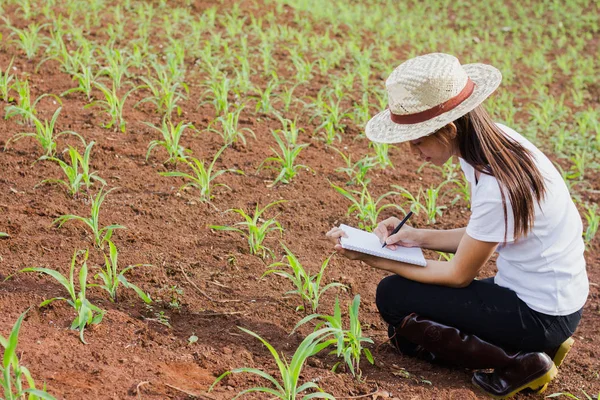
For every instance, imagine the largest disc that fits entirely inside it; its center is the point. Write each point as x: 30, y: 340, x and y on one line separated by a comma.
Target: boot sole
x: 558, y: 359
x: 539, y: 385
x: 562, y: 351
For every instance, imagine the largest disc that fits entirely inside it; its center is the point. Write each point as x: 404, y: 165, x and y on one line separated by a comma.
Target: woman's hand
x: 335, y: 234
x: 407, y: 236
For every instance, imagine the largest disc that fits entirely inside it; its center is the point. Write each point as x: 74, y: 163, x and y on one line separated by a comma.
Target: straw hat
x: 427, y: 92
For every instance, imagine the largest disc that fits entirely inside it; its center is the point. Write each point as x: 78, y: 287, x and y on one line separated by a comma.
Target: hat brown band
x: 437, y: 110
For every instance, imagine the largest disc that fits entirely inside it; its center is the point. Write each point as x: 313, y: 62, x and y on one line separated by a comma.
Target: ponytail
x: 484, y: 146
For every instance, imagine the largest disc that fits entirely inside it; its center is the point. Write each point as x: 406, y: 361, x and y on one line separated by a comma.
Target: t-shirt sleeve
x: 487, y: 215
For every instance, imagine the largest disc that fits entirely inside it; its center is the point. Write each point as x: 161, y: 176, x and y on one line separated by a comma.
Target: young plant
x: 593, y: 222
x: 263, y: 103
x: 288, y: 387
x: 382, y: 156
x: 349, y: 343
x: 30, y: 39
x: 117, y: 67
x: 202, y: 177
x: 112, y: 277
x: 331, y: 115
x: 113, y: 105
x: 365, y: 206
x: 165, y: 92
x: 86, y: 80
x: 44, y: 133
x: 308, y: 286
x: 24, y: 108
x: 76, y: 178
x: 286, y: 160
x: 256, y: 229
x: 171, y: 135
x: 87, y: 313
x: 101, y: 235
x: 431, y: 194
x: 12, y: 372
x: 5, y: 81
x: 357, y: 172
x: 229, y: 128
x: 218, y: 92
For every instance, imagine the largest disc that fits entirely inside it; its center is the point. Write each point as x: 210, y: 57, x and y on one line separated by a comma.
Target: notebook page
x: 368, y: 243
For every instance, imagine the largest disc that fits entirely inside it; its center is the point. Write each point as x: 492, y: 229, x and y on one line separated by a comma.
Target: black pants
x: 491, y: 312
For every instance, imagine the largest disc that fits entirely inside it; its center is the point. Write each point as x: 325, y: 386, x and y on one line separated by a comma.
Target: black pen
x: 399, y: 226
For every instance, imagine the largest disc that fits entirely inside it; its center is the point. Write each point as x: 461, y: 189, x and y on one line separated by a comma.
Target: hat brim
x: 382, y: 129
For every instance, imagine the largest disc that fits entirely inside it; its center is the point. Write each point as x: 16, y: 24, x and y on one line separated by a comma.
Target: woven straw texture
x: 424, y: 82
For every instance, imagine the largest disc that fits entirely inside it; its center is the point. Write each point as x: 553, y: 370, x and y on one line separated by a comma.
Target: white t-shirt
x: 546, y: 268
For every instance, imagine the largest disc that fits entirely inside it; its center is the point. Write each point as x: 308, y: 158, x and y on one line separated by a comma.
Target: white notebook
x: 368, y: 243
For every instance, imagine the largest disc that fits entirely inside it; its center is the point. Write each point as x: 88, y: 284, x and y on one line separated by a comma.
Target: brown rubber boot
x: 513, y: 371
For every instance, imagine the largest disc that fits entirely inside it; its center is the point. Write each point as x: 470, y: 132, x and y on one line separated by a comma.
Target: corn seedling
x: 30, y: 39
x: 76, y: 178
x: 15, y: 379
x: 24, y: 107
x: 593, y: 222
x: 362, y: 111
x: 171, y: 135
x: 303, y: 67
x: 111, y: 276
x: 357, y: 172
x: 256, y: 229
x: 263, y: 101
x: 203, y: 176
x: 382, y: 154
x: 462, y: 190
x: 165, y: 92
x: 4, y: 235
x: 308, y: 286
x: 366, y: 208
x: 230, y: 132
x: 331, y: 116
x: 286, y: 160
x: 287, y: 97
x: 444, y: 256
x: 349, y: 343
x: 117, y: 68
x: 113, y: 105
x: 87, y: 313
x: 44, y: 133
x: 432, y: 194
x: 86, y: 80
x: 288, y: 387
x: 290, y: 130
x: 5, y: 81
x: 218, y: 92
x: 430, y: 207
x: 572, y: 396
x: 70, y: 61
x: 101, y: 235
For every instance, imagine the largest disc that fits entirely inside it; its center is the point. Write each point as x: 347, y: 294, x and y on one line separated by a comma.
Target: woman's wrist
x: 421, y: 237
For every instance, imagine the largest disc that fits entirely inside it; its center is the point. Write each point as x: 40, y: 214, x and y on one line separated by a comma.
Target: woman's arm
x: 441, y: 240
x: 470, y: 256
x: 432, y: 239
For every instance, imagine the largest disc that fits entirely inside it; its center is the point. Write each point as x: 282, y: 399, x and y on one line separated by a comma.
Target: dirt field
x: 205, y: 283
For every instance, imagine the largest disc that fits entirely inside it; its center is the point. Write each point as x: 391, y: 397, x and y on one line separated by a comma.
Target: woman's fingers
x: 336, y: 233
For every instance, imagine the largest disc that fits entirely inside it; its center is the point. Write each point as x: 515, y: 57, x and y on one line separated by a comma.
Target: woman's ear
x: 451, y: 130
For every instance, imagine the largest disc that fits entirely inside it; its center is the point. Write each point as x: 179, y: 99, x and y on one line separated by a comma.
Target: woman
x: 518, y: 323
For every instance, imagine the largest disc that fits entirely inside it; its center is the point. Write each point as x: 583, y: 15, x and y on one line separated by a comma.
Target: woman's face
x: 432, y: 149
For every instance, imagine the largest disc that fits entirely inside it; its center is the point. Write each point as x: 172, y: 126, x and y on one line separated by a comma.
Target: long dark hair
x: 485, y: 147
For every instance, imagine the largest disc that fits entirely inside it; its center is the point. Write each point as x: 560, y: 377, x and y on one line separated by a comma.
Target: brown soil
x: 130, y: 354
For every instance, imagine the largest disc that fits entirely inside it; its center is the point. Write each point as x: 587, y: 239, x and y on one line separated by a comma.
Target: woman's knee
x: 389, y: 296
